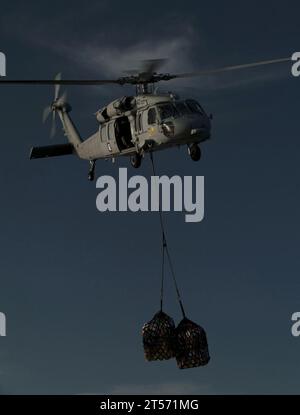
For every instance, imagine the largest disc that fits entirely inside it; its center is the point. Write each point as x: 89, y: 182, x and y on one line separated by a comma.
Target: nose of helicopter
x: 197, y: 127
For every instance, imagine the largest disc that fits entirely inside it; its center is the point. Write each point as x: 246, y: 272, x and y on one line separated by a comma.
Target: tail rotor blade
x: 58, y: 101
x: 63, y: 98
x: 57, y: 86
x: 53, y: 126
x: 46, y: 113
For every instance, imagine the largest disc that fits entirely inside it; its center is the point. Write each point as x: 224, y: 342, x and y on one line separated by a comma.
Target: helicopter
x: 133, y: 125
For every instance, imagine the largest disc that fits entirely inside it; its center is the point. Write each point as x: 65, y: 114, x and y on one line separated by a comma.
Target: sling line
x: 165, y: 252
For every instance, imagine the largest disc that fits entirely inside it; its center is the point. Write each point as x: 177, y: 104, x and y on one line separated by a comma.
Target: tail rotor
x: 57, y: 103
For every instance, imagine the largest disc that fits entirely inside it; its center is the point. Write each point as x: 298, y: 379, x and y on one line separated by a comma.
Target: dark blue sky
x: 77, y: 285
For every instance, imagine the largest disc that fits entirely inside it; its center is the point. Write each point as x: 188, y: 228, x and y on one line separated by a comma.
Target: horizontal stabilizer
x: 51, y: 151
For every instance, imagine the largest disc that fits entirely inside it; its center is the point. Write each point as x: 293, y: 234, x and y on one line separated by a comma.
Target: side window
x: 182, y: 108
x: 167, y: 111
x: 151, y: 116
x: 194, y: 106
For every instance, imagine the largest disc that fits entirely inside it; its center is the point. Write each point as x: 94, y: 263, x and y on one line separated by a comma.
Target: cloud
x: 113, y: 59
x: 106, y: 55
x: 104, y: 51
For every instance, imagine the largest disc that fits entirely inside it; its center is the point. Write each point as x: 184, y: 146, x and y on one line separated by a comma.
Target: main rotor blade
x: 229, y: 68
x: 144, y: 77
x: 60, y: 82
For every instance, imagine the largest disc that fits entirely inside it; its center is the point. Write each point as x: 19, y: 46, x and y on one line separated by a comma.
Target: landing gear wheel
x: 136, y: 160
x: 195, y: 152
x: 91, y: 174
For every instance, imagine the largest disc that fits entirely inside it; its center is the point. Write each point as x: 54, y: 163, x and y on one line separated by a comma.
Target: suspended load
x: 188, y: 342
x: 159, y: 337
x: 191, y: 345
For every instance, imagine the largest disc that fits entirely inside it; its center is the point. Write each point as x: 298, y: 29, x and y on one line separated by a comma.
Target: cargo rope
x: 165, y: 250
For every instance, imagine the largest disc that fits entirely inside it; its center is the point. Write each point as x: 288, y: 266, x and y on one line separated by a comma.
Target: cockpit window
x: 194, y: 106
x: 167, y: 111
x: 182, y: 108
x: 151, y: 116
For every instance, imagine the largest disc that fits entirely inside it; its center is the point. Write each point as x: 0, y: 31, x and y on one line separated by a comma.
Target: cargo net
x: 191, y: 345
x: 158, y: 337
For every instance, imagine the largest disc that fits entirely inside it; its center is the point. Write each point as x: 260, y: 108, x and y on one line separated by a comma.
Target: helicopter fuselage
x: 132, y: 126
x: 146, y: 122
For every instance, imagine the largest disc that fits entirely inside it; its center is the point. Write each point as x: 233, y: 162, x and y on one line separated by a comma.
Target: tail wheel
x: 195, y: 152
x: 136, y: 160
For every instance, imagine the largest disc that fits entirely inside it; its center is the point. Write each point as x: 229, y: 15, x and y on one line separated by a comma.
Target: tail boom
x: 51, y: 151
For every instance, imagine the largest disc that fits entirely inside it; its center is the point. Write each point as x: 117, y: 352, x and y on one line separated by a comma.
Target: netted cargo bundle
x: 158, y: 337
x: 191, y: 345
